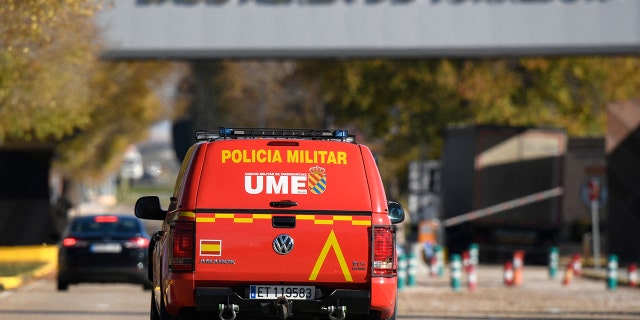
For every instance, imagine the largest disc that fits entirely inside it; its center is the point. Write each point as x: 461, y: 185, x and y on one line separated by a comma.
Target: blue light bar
x: 225, y: 131
x: 274, y: 133
x: 342, y: 134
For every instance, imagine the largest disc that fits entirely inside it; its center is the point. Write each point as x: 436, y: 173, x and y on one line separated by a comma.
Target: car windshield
x: 105, y: 224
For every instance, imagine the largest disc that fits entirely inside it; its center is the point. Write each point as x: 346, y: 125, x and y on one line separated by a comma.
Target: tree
x: 124, y: 104
x: 47, y: 52
x: 243, y: 94
x: 402, y: 106
x: 55, y: 91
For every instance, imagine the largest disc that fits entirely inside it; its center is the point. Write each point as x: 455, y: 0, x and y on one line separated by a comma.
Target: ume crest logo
x: 315, y: 181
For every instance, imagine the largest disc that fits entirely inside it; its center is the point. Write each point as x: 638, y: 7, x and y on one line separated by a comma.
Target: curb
x: 44, y: 253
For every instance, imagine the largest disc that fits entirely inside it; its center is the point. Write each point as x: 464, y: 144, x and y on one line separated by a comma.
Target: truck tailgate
x: 283, y: 248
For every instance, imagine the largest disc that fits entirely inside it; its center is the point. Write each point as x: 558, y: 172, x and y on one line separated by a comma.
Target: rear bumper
x: 208, y: 299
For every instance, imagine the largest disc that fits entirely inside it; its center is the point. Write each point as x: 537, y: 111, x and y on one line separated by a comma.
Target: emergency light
x: 284, y: 133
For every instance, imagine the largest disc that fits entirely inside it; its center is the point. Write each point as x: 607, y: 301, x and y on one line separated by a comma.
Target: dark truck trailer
x: 501, y: 188
x: 623, y: 174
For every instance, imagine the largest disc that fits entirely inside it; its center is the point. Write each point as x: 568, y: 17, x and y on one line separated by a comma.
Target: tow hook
x: 228, y: 310
x: 336, y: 312
x: 283, y: 307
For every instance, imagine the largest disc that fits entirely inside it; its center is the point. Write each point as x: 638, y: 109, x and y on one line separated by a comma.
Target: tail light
x: 384, y: 251
x: 69, y: 242
x: 182, y: 246
x: 137, y: 243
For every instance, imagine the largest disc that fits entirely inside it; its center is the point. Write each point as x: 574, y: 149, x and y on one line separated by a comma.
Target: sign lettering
x: 274, y: 156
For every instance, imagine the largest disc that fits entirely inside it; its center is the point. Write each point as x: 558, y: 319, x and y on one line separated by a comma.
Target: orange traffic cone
x: 518, y: 265
x: 508, y: 273
x: 568, y: 275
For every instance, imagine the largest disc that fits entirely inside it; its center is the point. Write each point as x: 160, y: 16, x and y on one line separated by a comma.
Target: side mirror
x: 149, y: 208
x: 396, y: 213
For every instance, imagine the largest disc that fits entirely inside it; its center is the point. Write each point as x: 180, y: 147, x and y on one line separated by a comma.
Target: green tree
x: 47, y: 52
x: 402, y: 106
x: 55, y: 91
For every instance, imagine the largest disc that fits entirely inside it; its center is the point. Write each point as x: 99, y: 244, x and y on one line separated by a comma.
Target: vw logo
x: 283, y: 244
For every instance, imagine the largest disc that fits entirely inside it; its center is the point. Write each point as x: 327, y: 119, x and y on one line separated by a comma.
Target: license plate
x: 106, y: 248
x: 274, y: 292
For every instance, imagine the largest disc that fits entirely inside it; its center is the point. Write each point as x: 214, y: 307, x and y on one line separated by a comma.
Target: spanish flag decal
x: 210, y: 247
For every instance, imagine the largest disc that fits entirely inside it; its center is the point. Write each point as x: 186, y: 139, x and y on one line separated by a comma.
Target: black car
x: 104, y: 248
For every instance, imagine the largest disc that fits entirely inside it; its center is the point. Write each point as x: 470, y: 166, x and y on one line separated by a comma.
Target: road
x: 432, y: 298
x: 40, y: 300
x: 538, y: 297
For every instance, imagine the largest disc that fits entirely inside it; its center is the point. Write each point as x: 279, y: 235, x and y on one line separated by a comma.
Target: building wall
x: 585, y: 159
x: 189, y: 29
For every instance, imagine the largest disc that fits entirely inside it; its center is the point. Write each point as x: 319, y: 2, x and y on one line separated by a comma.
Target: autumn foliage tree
x: 56, y: 92
x: 404, y: 105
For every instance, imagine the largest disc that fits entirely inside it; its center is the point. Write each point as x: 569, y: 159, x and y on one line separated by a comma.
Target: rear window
x: 105, y: 224
x: 251, y: 174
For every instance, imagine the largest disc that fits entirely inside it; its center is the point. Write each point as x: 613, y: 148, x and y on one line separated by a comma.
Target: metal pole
x: 595, y: 229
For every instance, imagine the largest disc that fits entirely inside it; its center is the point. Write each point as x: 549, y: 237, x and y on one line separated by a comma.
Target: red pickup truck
x: 275, y: 223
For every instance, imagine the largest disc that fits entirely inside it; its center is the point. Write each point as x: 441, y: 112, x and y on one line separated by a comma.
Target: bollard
x: 507, y: 274
x: 474, y: 253
x: 456, y: 271
x: 466, y: 260
x: 402, y: 271
x: 632, y: 275
x: 518, y: 265
x: 439, y: 253
x: 412, y: 269
x: 612, y: 272
x: 472, y: 276
x: 568, y: 275
x: 576, y: 262
x: 433, y: 267
x: 554, y: 258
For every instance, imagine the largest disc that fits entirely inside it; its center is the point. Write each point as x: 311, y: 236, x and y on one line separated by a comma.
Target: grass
x: 10, y: 269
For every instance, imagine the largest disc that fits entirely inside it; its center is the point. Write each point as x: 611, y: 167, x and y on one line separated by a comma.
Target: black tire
x: 156, y: 314
x: 62, y: 285
x: 147, y: 286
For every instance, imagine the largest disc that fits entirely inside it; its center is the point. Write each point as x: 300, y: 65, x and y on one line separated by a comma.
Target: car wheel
x: 146, y: 286
x: 156, y: 314
x: 62, y: 285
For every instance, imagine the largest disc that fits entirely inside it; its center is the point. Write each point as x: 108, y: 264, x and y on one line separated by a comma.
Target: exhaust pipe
x: 228, y: 310
x: 336, y: 312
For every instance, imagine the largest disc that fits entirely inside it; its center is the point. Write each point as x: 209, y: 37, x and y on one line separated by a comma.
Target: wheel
x: 146, y: 286
x: 156, y: 314
x: 62, y: 285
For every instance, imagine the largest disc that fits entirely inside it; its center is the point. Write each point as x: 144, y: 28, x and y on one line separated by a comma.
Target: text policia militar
x: 291, y: 156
